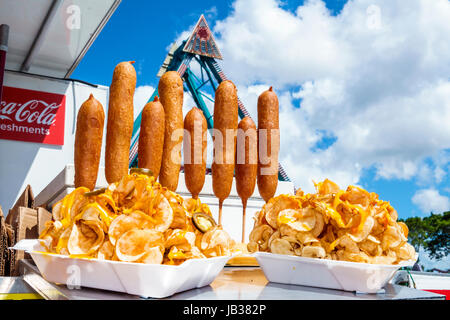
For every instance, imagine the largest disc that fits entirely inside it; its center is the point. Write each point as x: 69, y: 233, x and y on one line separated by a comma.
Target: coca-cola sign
x: 33, y: 116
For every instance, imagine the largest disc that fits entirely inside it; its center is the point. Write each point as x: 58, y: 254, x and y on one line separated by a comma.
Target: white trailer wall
x: 23, y: 163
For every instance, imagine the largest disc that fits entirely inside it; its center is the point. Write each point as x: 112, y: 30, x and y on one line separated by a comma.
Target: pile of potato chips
x: 351, y: 225
x: 134, y: 220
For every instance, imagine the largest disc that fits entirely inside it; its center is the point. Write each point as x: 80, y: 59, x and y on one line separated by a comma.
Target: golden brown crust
x: 226, y: 122
x: 246, y: 158
x: 151, y: 136
x: 268, y: 153
x: 120, y: 121
x: 170, y: 89
x: 88, y: 142
x: 195, y: 151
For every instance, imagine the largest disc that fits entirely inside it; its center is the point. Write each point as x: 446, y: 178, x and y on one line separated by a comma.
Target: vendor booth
x: 136, y: 237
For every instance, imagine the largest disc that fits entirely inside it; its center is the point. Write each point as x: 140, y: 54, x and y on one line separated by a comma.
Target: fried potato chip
x: 175, y: 256
x: 125, y: 222
x: 390, y: 258
x: 134, y: 244
x: 278, y: 204
x: 356, y: 195
x: 153, y: 256
x: 162, y: 215
x: 348, y: 243
x: 313, y: 252
x: 214, y: 238
x: 261, y: 235
x: 351, y: 225
x: 184, y: 240
x: 106, y: 251
x: 371, y: 246
x: 252, y: 247
x: 356, y: 257
x: 274, y: 235
x: 297, y: 219
x: 179, y: 220
x: 50, y: 235
x: 404, y: 228
x: 132, y: 220
x: 85, y: 238
x: 306, y: 237
x: 56, y: 210
x: 362, y: 234
x: 61, y: 246
x: 392, y: 238
x: 281, y: 246
x: 326, y: 187
x: 287, y: 230
x: 405, y: 252
x: 319, y: 224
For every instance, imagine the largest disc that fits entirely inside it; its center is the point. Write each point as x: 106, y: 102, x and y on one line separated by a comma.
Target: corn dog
x: 225, y: 126
x: 88, y: 142
x: 151, y: 137
x: 120, y: 121
x: 195, y: 151
x: 268, y: 144
x: 170, y: 91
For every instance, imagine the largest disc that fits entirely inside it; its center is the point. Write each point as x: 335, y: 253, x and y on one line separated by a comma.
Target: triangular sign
x: 202, y: 42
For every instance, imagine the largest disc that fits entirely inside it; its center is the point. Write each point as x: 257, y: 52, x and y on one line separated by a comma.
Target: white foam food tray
x: 324, y: 273
x: 145, y: 280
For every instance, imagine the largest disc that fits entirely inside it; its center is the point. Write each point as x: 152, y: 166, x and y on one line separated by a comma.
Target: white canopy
x: 50, y: 37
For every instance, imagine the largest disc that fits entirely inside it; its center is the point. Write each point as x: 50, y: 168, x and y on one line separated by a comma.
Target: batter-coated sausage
x: 194, y: 150
x: 225, y: 126
x: 120, y: 121
x: 268, y: 144
x: 151, y: 136
x: 170, y: 89
x: 246, y: 163
x: 88, y: 142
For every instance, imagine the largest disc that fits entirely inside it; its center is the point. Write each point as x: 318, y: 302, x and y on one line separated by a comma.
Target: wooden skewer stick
x: 244, y: 207
x: 220, y: 212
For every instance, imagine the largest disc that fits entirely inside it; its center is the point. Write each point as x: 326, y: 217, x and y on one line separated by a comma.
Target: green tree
x: 438, y: 230
x: 432, y: 233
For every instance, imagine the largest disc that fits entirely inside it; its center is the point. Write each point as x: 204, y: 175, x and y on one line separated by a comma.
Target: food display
x: 225, y: 126
x: 140, y: 220
x: 170, y: 89
x: 88, y: 142
x: 137, y: 235
x: 246, y: 163
x: 194, y: 149
x: 268, y: 143
x: 151, y: 136
x: 120, y: 121
x: 350, y: 225
x: 134, y: 220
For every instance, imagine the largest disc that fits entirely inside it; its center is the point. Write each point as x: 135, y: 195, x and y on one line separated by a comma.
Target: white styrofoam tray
x: 145, y: 280
x: 324, y: 273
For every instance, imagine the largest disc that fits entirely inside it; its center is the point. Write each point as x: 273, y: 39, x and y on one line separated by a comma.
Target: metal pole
x: 4, y: 35
x: 38, y: 41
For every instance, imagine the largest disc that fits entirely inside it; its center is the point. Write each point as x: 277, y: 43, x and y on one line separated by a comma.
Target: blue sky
x: 143, y: 35
x: 141, y: 31
x: 358, y: 107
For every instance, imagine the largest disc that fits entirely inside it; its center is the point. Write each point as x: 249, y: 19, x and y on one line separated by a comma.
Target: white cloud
x: 142, y: 95
x: 278, y: 46
x: 430, y: 200
x: 375, y: 77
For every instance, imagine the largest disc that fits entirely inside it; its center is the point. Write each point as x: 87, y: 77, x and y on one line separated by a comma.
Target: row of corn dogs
x: 161, y: 137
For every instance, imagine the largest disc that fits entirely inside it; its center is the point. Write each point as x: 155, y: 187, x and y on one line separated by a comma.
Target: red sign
x: 33, y: 116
